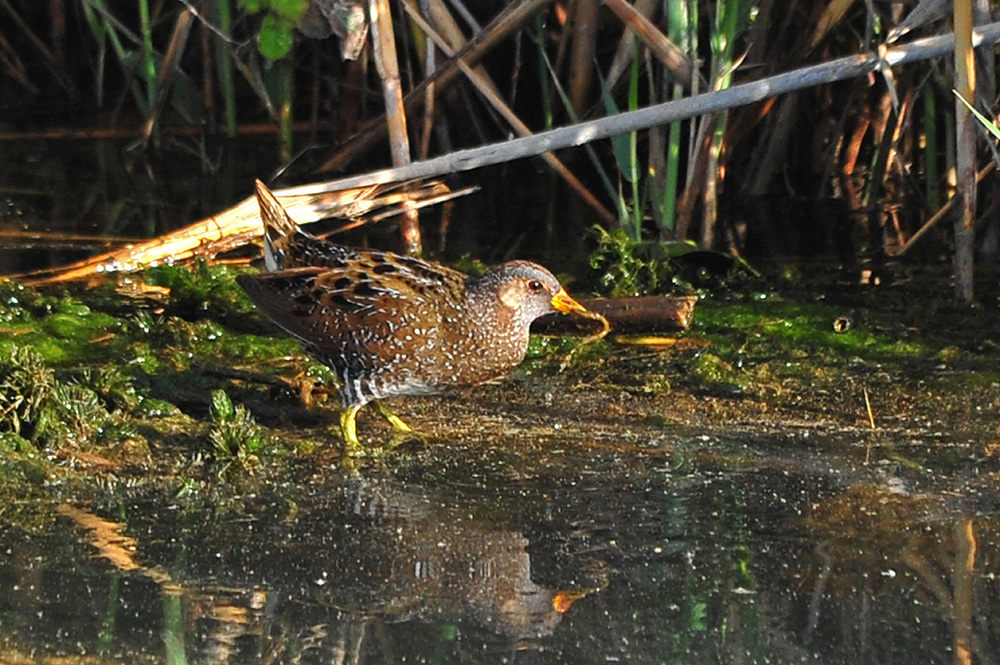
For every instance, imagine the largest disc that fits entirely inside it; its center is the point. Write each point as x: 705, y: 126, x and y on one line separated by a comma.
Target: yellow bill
x: 564, y: 303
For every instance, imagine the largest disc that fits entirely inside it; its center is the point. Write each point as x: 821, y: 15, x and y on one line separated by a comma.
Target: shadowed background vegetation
x: 132, y: 119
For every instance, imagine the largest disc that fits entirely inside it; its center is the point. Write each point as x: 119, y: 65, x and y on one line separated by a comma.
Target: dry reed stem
x: 582, y: 52
x: 387, y: 63
x: 178, y: 40
x: 507, y: 22
x: 670, y: 56
x: 942, y: 213
x: 839, y: 69
x: 965, y: 149
x: 488, y: 90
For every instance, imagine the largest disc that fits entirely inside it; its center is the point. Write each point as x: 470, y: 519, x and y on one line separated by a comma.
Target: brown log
x: 646, y: 314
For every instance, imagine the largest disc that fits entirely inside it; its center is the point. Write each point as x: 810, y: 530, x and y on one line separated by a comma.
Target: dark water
x: 703, y: 548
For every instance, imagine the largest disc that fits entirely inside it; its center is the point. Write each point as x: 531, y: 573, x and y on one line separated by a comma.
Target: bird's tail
x: 279, y: 228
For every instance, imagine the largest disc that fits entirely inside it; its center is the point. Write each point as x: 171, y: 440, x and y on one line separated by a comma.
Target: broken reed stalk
x: 868, y: 407
x: 51, y: 61
x: 626, y: 44
x: 387, y: 63
x: 942, y: 212
x: 182, y: 29
x: 582, y: 53
x: 677, y: 65
x: 427, y: 124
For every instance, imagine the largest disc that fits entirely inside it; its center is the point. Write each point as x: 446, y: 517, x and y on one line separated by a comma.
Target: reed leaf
x: 224, y: 64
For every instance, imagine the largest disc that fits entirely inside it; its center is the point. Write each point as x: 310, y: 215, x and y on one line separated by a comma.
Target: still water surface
x: 705, y: 548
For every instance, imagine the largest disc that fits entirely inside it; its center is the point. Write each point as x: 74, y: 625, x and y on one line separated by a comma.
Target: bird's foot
x: 352, y: 446
x: 393, y: 419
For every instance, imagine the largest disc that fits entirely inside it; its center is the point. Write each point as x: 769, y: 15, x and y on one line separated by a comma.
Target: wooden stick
x: 645, y: 314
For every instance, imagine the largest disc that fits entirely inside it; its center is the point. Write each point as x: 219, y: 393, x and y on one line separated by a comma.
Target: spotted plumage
x: 392, y: 325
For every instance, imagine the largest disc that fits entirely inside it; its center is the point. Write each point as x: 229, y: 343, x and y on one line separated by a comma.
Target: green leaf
x: 275, y: 39
x: 620, y: 143
x: 252, y: 6
x: 987, y: 123
x: 222, y: 409
x: 290, y: 9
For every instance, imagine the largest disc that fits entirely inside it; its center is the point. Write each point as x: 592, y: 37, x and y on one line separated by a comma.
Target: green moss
x: 545, y: 346
x: 98, y: 372
x: 140, y: 355
x: 12, y: 444
x: 321, y: 374
x: 150, y: 407
x: 16, y: 472
x: 201, y: 289
x: 244, y: 349
x: 13, y: 304
x: 772, y: 326
x: 713, y: 369
x: 121, y: 397
x: 657, y: 384
x: 112, y: 386
x: 74, y: 415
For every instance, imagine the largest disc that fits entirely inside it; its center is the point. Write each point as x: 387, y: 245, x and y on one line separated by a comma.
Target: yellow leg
x: 391, y: 417
x: 349, y: 429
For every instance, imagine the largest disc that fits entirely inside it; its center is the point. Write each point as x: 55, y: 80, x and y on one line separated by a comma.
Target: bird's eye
x: 535, y: 286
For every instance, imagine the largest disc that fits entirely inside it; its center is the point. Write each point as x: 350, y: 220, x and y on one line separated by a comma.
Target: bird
x: 393, y: 325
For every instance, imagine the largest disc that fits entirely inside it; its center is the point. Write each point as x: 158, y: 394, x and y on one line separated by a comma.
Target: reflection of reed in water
x: 878, y: 543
